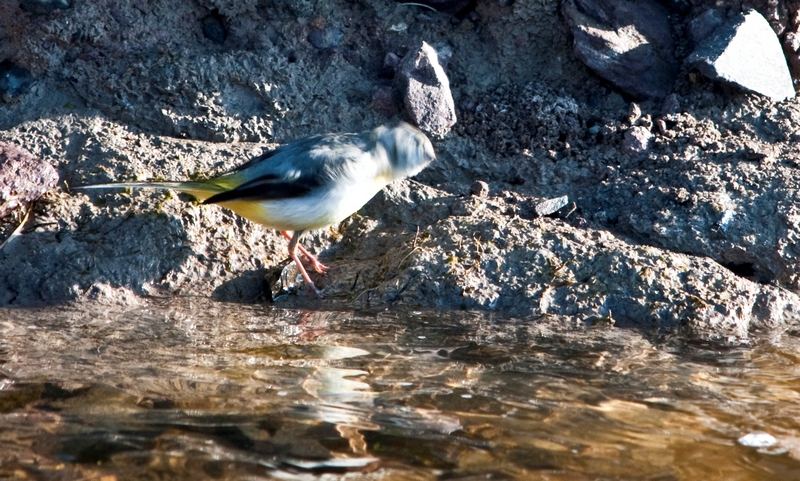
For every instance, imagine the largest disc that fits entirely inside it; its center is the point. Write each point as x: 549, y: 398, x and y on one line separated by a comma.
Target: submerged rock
x: 746, y: 52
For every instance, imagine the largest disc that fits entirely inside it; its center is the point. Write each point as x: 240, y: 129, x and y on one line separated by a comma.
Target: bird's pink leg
x: 317, y: 265
x: 293, y: 254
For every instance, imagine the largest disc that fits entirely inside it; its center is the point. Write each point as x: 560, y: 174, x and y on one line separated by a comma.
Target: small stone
x: 326, y: 38
x: 757, y: 439
x: 745, y: 51
x: 634, y: 113
x: 23, y: 177
x: 428, y: 100
x: 479, y: 189
x: 636, y: 140
x: 14, y: 80
x: 551, y: 206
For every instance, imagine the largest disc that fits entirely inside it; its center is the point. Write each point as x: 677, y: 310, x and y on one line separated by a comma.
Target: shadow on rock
x: 105, y: 258
x: 248, y: 287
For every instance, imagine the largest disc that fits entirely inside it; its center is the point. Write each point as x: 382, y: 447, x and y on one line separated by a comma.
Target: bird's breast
x: 323, y: 207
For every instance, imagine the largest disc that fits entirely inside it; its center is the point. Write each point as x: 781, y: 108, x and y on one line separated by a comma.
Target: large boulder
x: 627, y: 43
x: 745, y: 51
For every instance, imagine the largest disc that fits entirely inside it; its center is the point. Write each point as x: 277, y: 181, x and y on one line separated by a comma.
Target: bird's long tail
x: 200, y: 190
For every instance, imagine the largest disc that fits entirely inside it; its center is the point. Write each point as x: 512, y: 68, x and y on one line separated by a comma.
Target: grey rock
x: 746, y: 52
x: 428, y: 100
x: 551, y: 206
x: 702, y: 26
x: 23, y: 177
x: 326, y: 38
x: 636, y: 140
x: 627, y: 43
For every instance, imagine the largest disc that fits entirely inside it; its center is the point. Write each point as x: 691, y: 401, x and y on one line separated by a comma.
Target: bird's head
x: 408, y: 149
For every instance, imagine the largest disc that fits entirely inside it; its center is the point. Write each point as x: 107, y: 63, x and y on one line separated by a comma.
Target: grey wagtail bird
x: 310, y: 183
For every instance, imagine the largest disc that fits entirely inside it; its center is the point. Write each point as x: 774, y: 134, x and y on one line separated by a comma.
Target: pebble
x: 636, y: 140
x: 428, y: 100
x: 757, y: 439
x: 23, y: 177
x: 746, y: 52
x: 479, y: 189
x: 551, y: 206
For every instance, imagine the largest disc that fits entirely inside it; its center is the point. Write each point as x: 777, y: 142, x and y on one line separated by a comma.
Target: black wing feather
x: 263, y: 191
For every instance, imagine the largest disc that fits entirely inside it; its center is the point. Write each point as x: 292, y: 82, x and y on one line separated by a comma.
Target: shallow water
x: 196, y: 389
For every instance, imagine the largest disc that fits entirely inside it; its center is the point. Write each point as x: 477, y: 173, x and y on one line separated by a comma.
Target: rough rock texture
x: 429, y: 103
x: 23, y: 177
x: 746, y: 52
x: 636, y: 140
x: 628, y: 43
x: 697, y: 234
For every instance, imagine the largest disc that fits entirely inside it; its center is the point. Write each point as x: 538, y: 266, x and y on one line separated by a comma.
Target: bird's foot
x: 319, y: 293
x: 318, y: 266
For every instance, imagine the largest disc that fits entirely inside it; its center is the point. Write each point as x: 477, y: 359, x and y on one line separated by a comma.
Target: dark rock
x: 746, y: 52
x: 14, y: 80
x: 479, y: 189
x: 702, y: 26
x: 325, y: 38
x: 636, y: 140
x: 214, y: 28
x: 23, y: 177
x: 671, y: 104
x: 41, y: 7
x: 627, y: 43
x: 428, y: 100
x: 384, y: 102
x: 391, y: 62
x: 551, y: 206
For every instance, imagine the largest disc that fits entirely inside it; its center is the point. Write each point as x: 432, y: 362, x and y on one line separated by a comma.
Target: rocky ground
x: 681, y: 213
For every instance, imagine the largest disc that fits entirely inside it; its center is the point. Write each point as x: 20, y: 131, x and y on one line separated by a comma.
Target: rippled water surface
x: 192, y: 389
